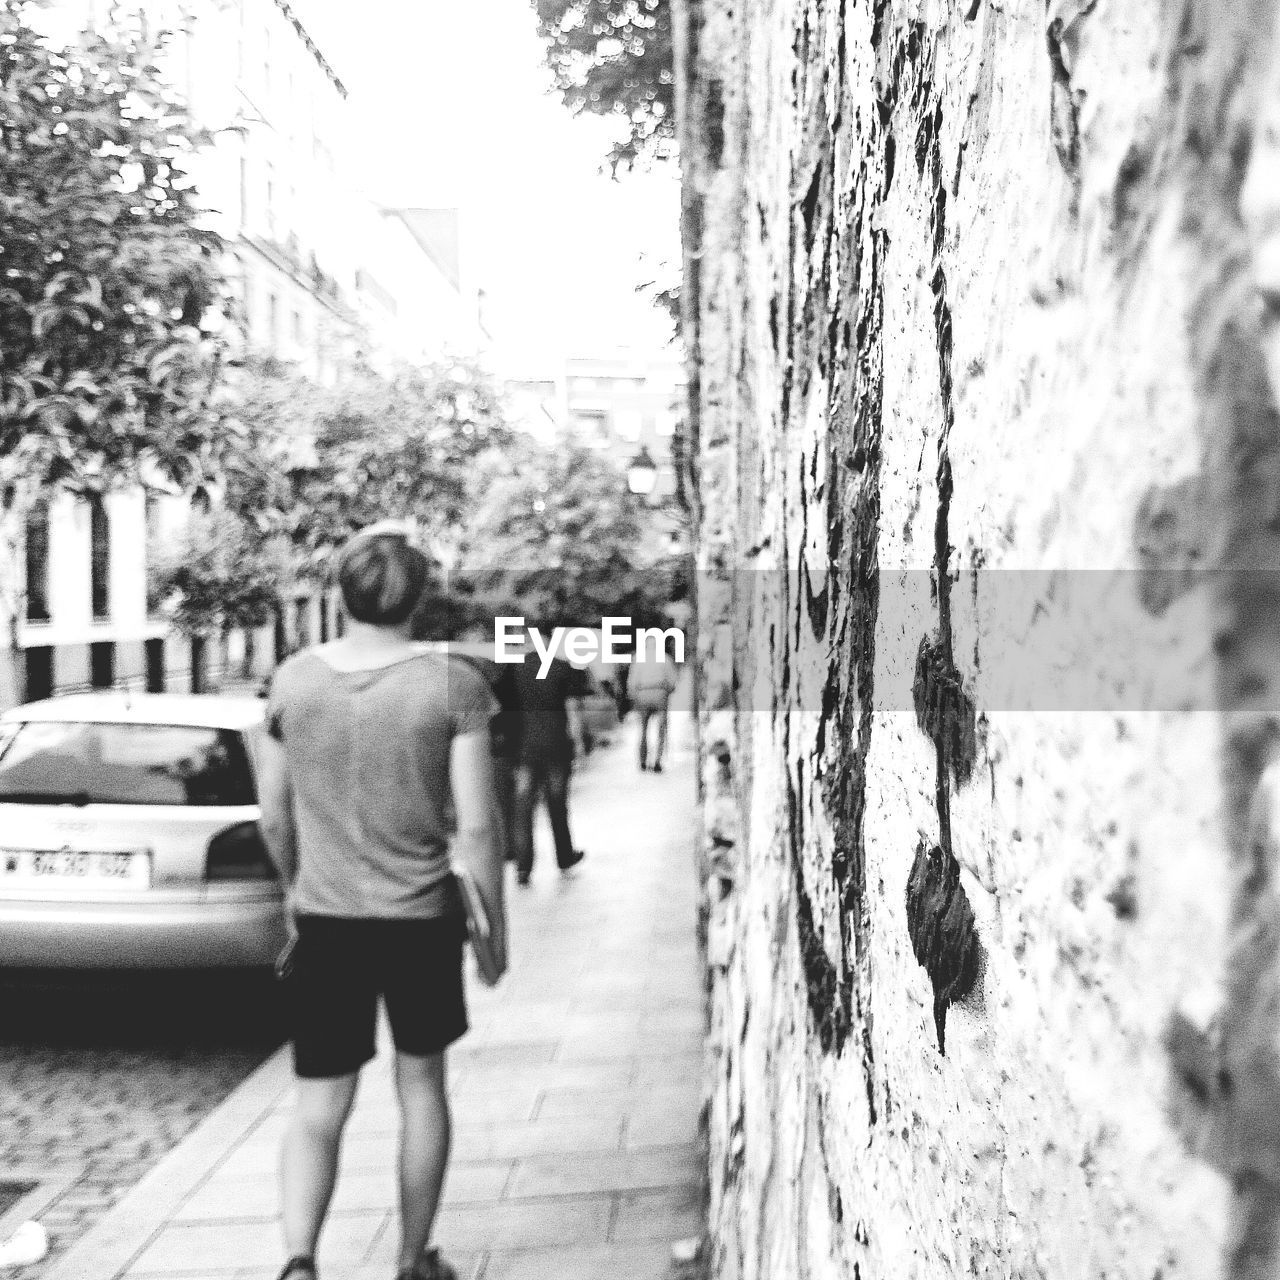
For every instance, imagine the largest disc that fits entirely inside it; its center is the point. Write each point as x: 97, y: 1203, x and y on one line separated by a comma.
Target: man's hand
x: 291, y: 909
x: 477, y: 846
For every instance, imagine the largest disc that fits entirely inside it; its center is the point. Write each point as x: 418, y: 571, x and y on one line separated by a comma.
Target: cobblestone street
x: 99, y: 1080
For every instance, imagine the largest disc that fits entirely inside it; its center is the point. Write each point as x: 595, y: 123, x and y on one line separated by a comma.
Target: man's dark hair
x: 382, y: 579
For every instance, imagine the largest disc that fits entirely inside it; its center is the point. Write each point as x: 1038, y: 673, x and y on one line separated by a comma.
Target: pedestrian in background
x: 650, y: 684
x: 551, y: 735
x: 368, y: 736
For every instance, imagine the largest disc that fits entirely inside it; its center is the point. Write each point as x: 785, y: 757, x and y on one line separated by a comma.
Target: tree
x: 324, y: 462
x: 218, y: 578
x: 614, y: 58
x: 560, y: 539
x: 112, y: 306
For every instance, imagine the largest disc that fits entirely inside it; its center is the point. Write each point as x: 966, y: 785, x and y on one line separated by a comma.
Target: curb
x: 112, y: 1245
x: 47, y: 1186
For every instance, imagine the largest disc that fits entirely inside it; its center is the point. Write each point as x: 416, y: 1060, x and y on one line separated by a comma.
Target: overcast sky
x: 452, y: 106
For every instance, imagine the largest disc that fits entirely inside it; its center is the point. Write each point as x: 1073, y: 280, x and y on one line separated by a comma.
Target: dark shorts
x: 342, y: 966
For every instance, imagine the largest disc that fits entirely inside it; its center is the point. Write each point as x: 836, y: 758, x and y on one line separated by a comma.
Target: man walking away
x: 650, y: 684
x: 551, y: 733
x: 368, y: 738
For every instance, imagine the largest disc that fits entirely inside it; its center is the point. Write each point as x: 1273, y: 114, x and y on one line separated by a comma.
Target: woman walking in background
x: 367, y: 738
x: 650, y: 683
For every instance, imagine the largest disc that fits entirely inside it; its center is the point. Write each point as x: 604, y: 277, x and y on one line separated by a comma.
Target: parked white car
x: 129, y: 836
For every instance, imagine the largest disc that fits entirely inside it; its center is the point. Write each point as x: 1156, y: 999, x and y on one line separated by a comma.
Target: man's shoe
x: 300, y: 1267
x: 522, y: 877
x: 657, y: 768
x: 432, y: 1267
x: 577, y: 857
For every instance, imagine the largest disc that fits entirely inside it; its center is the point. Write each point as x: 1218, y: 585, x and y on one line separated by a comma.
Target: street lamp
x: 642, y: 473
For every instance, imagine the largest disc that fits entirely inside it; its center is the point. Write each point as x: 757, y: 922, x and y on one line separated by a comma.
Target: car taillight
x: 238, y: 853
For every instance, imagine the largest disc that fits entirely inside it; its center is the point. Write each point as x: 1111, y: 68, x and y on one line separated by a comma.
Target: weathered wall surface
x: 980, y: 308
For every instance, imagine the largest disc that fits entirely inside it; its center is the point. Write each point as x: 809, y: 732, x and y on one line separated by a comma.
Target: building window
x: 279, y: 635
x: 246, y: 305
x: 99, y: 559
x: 271, y: 202
x: 38, y: 672
x: 297, y: 328
x: 199, y: 665
x: 592, y: 430
x: 322, y: 352
x: 102, y: 664
x: 37, y: 564
x: 273, y: 322
x: 302, y: 622
x: 154, y: 649
x: 630, y: 425
x: 665, y: 423
x: 152, y: 550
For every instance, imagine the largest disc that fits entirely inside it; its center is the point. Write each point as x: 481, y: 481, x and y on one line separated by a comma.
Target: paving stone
x: 569, y: 1220
x: 590, y: 1172
x: 225, y: 1245
x: 515, y: 1057
x: 658, y: 1128
x: 683, y: 1099
x: 665, y: 1216
x: 593, y: 1049
x: 657, y: 1070
x: 556, y: 1075
x: 469, y: 1266
x: 611, y: 1262
x: 687, y: 1021
x: 498, y: 1142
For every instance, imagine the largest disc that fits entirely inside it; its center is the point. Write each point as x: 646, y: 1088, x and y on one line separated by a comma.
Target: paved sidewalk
x: 576, y: 1095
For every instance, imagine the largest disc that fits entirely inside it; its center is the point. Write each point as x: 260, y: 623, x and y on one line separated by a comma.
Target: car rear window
x: 52, y: 762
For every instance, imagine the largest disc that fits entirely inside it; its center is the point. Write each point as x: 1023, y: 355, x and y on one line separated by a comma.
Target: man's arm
x: 275, y: 797
x: 477, y: 845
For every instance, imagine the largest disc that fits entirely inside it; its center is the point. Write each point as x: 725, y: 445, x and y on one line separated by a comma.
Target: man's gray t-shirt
x: 368, y: 755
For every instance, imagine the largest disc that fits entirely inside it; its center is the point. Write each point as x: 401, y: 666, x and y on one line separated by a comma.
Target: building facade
x: 324, y: 278
x: 620, y: 402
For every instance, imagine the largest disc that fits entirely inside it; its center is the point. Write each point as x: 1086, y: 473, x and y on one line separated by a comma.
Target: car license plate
x: 34, y: 868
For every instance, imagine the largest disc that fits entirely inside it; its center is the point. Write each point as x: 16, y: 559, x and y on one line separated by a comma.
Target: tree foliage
x: 217, y: 577
x: 560, y: 539
x: 325, y: 462
x: 111, y: 299
x: 615, y: 58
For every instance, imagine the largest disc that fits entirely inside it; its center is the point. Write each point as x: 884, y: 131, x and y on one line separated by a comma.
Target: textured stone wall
x: 981, y: 300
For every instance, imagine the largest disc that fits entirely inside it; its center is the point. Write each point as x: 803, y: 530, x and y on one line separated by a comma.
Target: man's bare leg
x: 424, y: 1148
x: 309, y: 1159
